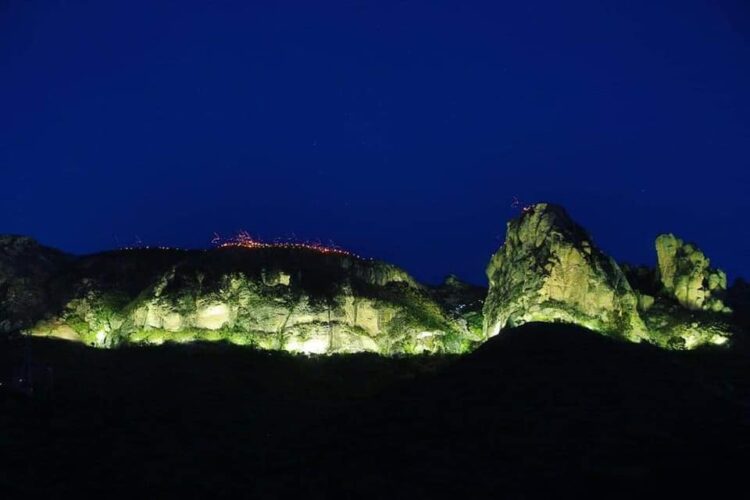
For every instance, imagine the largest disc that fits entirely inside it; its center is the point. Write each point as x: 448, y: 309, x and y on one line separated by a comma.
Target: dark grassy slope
x: 184, y: 418
x: 545, y: 406
x: 542, y: 409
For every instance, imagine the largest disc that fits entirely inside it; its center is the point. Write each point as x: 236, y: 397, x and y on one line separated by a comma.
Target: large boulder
x: 686, y: 275
x: 548, y: 269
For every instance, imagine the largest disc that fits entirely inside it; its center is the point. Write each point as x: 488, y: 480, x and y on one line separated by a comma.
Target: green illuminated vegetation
x: 316, y: 300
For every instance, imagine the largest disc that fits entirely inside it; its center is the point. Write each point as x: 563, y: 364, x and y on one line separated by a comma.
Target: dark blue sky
x: 400, y: 130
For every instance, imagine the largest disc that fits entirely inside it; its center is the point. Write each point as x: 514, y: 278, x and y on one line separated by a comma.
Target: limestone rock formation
x: 670, y: 322
x: 686, y: 275
x: 548, y: 269
x: 673, y: 327
x: 300, y: 299
x: 297, y: 300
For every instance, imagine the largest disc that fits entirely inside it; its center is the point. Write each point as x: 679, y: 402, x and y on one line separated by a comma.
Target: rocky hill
x: 292, y: 299
x: 306, y: 299
x: 26, y: 273
x: 550, y: 270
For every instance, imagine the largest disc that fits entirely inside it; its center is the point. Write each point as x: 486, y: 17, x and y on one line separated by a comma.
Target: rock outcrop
x: 672, y: 315
x: 548, y: 269
x: 686, y: 274
x: 297, y: 300
x: 305, y: 299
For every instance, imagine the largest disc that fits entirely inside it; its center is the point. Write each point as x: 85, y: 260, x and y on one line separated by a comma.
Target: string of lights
x: 243, y: 239
x: 149, y: 247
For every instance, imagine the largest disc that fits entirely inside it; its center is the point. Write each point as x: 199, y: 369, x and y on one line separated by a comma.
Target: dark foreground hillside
x: 539, y: 410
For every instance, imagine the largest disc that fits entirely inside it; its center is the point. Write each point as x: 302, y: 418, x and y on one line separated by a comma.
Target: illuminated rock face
x: 354, y: 315
x: 288, y: 299
x: 303, y: 300
x: 549, y: 270
x: 686, y: 275
x: 212, y: 316
x: 681, y: 301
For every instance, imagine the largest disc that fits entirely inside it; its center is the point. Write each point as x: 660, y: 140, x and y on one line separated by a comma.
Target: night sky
x: 399, y: 130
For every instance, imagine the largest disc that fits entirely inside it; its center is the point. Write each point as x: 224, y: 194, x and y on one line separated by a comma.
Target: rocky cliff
x: 686, y: 275
x: 303, y: 298
x: 297, y: 299
x: 549, y: 269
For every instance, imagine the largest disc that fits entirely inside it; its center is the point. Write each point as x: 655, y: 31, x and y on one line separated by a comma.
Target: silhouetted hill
x: 542, y: 409
x: 309, y: 298
x: 537, y: 410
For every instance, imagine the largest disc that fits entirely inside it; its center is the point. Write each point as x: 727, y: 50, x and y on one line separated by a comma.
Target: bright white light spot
x: 718, y: 340
x: 101, y: 336
x: 317, y: 345
x: 212, y: 317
